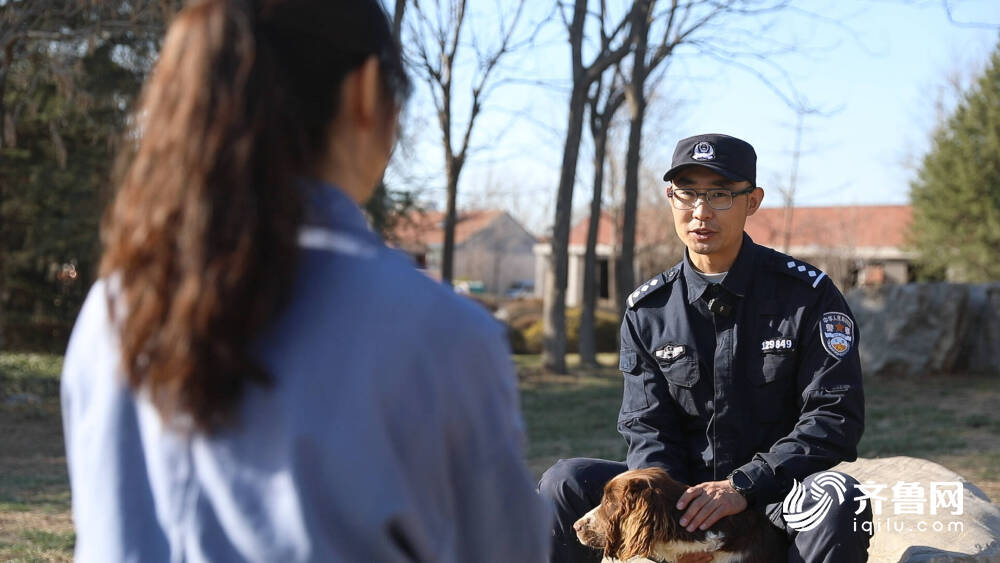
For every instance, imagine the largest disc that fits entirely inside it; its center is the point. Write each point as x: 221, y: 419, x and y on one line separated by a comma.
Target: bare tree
x: 397, y: 20
x: 604, y: 104
x: 949, y: 9
x: 657, y: 244
x: 583, y: 75
x: 788, y: 193
x: 681, y: 22
x: 436, y: 38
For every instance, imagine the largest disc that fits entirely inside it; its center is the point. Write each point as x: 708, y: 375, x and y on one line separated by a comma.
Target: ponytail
x: 201, y: 236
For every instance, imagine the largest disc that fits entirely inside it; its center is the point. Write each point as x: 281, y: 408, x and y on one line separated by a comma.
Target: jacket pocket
x: 682, y: 372
x: 775, y: 367
x: 634, y: 397
x: 773, y: 384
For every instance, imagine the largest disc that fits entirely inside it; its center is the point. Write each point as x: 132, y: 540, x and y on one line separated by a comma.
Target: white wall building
x: 490, y: 247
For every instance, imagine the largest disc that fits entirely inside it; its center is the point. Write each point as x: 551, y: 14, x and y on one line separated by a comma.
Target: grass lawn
x: 35, y: 523
x: 953, y: 421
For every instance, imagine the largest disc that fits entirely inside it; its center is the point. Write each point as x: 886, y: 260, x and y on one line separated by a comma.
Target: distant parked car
x: 521, y: 288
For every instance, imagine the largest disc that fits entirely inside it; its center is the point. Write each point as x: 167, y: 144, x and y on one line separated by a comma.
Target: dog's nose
x: 578, y: 525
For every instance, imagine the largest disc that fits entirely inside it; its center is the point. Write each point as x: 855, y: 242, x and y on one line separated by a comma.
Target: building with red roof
x: 491, y: 247
x: 854, y: 245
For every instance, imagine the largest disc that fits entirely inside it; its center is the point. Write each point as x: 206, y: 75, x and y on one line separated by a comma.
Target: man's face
x: 707, y: 231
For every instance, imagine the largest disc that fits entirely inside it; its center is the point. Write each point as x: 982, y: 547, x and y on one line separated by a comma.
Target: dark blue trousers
x: 575, y: 486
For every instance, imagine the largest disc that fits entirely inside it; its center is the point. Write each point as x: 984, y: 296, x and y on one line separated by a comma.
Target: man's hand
x: 708, y: 502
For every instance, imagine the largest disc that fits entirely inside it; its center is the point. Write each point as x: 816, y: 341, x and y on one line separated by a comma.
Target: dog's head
x: 637, y: 511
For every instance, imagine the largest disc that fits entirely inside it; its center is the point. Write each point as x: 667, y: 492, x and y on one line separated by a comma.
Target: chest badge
x: 671, y: 352
x: 777, y: 345
x: 837, y: 333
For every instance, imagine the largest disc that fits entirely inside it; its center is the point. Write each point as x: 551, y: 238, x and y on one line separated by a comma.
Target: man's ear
x: 361, y: 93
x: 754, y: 200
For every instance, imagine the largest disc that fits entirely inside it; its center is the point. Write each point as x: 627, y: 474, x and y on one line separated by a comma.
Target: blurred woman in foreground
x: 255, y: 376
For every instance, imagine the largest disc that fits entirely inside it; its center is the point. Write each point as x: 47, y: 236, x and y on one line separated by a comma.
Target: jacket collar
x: 328, y: 207
x: 737, y: 280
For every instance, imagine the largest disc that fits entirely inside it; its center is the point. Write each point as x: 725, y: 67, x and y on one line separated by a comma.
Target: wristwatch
x: 743, y: 485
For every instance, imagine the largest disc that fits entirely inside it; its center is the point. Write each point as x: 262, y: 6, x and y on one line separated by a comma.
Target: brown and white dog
x: 638, y: 517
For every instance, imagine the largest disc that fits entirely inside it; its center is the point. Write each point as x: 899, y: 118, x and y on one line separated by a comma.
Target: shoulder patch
x: 651, y: 286
x: 798, y: 269
x: 836, y: 331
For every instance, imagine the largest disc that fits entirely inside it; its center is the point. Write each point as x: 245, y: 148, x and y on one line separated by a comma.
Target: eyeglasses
x: 719, y: 200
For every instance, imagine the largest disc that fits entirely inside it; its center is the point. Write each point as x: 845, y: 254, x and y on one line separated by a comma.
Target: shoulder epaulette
x: 798, y: 269
x: 657, y: 282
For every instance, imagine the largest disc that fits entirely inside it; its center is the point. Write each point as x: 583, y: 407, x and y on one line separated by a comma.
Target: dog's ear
x: 669, y: 492
x: 613, y: 511
x: 646, y: 520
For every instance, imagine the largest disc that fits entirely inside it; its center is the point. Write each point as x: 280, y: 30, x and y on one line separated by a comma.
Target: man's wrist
x: 741, y: 483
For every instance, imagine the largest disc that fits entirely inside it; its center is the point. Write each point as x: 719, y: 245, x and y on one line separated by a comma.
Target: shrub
x: 606, y: 327
x: 518, y: 344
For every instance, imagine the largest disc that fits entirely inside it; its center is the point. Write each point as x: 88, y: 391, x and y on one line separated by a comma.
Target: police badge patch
x: 836, y: 331
x: 670, y: 352
x: 703, y: 151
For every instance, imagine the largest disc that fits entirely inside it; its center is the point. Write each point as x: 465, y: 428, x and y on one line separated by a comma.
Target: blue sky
x: 879, y: 74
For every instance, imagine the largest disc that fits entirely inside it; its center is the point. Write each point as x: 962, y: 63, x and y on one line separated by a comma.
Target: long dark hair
x: 200, y: 241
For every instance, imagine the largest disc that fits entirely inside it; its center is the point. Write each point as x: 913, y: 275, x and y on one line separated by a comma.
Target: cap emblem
x: 704, y: 151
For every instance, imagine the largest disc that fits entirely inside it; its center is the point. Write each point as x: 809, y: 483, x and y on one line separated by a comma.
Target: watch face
x: 741, y: 481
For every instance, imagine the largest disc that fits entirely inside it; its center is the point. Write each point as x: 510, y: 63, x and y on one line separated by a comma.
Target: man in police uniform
x: 742, y: 377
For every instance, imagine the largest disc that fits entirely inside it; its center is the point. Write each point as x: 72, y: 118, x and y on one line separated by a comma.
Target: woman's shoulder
x: 94, y: 323
x: 438, y: 300
x: 91, y: 364
x: 391, y: 288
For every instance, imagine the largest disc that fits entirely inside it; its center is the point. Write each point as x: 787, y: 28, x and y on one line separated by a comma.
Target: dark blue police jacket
x: 758, y: 373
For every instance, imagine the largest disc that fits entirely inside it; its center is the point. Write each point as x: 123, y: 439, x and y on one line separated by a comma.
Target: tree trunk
x: 397, y: 21
x: 637, y: 111
x: 554, y: 294
x: 453, y: 169
x: 5, y: 136
x: 588, y: 346
x: 554, y: 301
x: 792, y: 182
x: 4, y: 65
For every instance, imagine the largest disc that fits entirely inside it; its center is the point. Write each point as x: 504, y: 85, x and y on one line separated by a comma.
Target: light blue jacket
x: 392, y: 432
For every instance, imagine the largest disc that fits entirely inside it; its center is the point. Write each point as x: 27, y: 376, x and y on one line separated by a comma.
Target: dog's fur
x: 638, y: 517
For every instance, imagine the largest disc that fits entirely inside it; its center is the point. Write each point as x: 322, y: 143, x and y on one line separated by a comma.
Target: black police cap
x: 733, y: 158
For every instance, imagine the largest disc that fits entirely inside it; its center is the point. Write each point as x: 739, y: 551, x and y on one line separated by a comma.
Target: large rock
x: 982, y: 353
x: 970, y: 537
x: 928, y: 328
